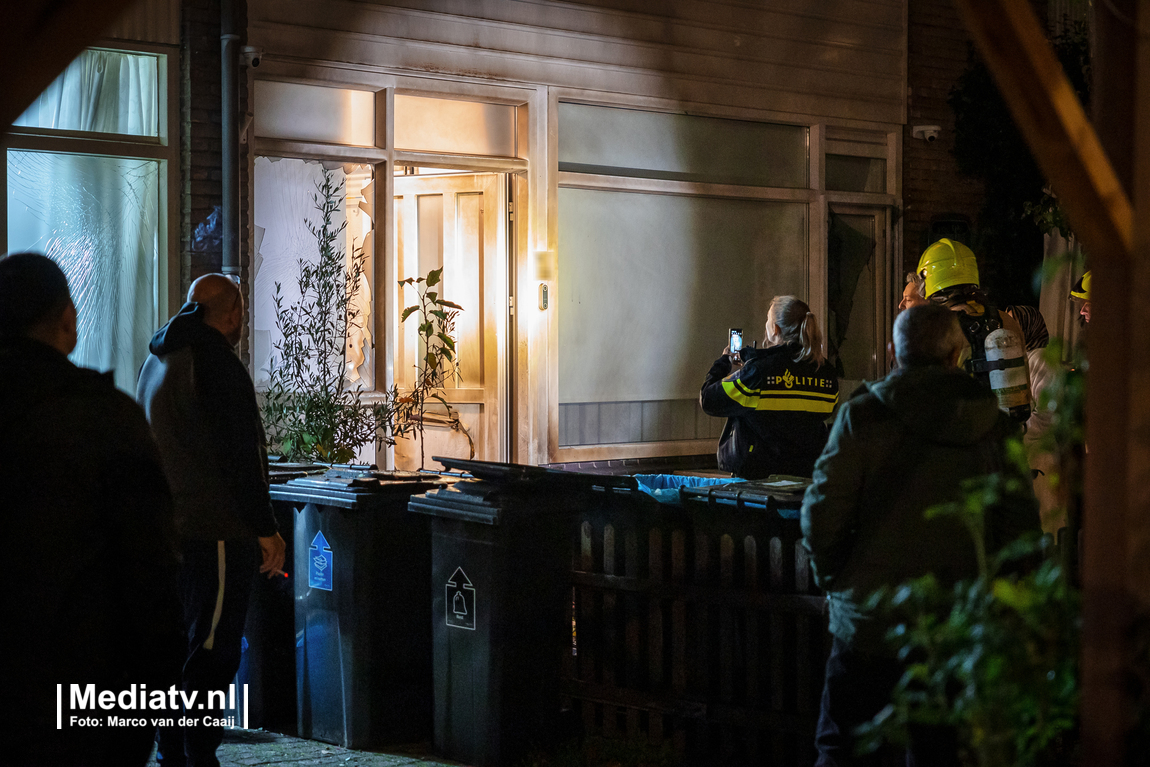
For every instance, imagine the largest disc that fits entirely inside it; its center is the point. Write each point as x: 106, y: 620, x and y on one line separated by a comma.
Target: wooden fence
x: 697, y: 626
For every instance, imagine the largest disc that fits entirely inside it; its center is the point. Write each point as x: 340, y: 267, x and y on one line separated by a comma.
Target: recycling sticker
x: 320, y: 563
x: 460, y: 601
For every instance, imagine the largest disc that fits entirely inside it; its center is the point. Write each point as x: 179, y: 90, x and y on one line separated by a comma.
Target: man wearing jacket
x: 899, y: 447
x: 202, y: 407
x: 91, y: 559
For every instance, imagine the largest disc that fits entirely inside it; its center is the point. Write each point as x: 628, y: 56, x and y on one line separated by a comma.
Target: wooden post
x: 1067, y: 149
x: 1138, y: 492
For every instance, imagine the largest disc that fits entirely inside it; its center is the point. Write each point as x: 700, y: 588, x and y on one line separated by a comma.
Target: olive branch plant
x: 438, y: 361
x: 310, y: 409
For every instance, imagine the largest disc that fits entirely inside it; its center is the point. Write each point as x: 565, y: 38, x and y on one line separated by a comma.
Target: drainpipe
x: 229, y: 138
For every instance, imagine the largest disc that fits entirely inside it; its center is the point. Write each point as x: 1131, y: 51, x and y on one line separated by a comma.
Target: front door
x: 456, y: 221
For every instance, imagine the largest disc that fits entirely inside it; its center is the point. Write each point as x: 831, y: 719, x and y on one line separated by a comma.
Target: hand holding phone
x: 736, y: 340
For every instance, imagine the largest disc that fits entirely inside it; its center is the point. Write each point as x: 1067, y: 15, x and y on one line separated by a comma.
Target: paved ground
x: 246, y: 748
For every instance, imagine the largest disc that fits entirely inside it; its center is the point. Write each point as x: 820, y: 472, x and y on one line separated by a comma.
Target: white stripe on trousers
x: 211, y: 640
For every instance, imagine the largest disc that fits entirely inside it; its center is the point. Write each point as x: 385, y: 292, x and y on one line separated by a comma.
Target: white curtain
x: 98, y: 218
x: 103, y: 92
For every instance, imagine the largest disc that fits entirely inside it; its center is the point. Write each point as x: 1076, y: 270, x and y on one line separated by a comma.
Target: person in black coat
x: 776, y: 400
x: 90, y: 556
x: 202, y: 406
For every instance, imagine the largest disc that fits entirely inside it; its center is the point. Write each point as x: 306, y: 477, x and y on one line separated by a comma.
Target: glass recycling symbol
x: 460, y: 601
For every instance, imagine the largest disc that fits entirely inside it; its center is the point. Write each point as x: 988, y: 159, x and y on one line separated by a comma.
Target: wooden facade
x: 838, y: 68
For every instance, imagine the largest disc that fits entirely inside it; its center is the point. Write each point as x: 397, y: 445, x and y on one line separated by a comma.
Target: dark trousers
x: 858, y: 686
x: 215, y: 584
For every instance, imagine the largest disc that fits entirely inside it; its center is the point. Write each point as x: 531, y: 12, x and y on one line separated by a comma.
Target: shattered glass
x: 284, y: 204
x: 98, y: 218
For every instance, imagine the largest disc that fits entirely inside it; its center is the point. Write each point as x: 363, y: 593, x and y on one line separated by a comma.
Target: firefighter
x: 995, y: 354
x: 1080, y: 295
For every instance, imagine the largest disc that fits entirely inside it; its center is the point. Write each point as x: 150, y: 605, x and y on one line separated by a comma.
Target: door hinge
x: 511, y: 305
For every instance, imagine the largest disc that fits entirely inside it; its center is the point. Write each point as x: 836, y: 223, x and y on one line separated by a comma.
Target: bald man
x: 202, y: 407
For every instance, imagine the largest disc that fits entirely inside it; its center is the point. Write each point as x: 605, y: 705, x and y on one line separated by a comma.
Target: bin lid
x: 519, y: 474
x: 785, y: 492
x: 361, y: 492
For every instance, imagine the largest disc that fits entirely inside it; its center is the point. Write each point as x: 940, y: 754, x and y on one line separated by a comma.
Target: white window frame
x: 163, y: 147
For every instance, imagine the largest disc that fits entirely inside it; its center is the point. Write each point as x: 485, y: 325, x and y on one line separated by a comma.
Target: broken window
x: 98, y: 218
x: 285, y: 193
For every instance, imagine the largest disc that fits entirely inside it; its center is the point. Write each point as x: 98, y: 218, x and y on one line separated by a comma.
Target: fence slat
x: 698, y: 628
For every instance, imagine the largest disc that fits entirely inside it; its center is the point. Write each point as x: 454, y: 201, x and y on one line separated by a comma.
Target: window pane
x: 98, y: 218
x: 102, y: 92
x: 855, y: 174
x: 648, y: 287
x: 284, y: 206
x: 458, y: 127
x: 314, y: 113
x: 628, y: 142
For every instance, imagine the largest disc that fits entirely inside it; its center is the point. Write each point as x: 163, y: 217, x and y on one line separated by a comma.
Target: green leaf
x: 431, y: 295
x: 432, y: 360
x: 433, y: 276
x: 407, y: 313
x: 450, y: 305
x: 446, y: 339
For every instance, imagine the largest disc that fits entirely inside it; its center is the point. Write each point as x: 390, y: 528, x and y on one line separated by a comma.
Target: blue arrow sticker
x: 320, y: 563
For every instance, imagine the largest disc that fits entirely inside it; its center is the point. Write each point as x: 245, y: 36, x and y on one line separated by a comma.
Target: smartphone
x: 736, y: 340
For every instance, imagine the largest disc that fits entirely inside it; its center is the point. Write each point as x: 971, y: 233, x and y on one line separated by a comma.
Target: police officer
x: 776, y: 399
x: 995, y: 354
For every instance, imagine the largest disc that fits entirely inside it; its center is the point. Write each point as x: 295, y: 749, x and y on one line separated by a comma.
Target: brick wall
x: 938, y: 46
x: 200, y: 134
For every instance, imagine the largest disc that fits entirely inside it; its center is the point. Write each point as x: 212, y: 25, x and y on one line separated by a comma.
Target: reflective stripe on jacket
x: 776, y: 410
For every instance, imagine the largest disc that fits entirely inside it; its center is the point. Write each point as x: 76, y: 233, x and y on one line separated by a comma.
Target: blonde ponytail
x: 812, y: 340
x: 798, y: 325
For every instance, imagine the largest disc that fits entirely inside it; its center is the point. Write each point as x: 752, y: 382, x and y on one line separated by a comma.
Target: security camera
x: 252, y: 55
x: 926, y: 132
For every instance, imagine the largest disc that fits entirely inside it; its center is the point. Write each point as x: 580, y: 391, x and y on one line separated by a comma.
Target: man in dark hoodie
x: 898, y: 447
x: 90, y: 595
x: 202, y: 407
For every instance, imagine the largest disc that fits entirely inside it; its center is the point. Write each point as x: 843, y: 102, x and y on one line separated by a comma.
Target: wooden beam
x: 1047, y: 111
x: 38, y: 39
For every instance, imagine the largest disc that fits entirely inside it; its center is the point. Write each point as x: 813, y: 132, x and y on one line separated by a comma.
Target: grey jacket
x: 201, y: 404
x: 898, y: 447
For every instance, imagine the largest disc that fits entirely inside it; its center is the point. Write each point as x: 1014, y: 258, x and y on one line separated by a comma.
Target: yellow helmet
x: 1081, y: 289
x: 947, y: 263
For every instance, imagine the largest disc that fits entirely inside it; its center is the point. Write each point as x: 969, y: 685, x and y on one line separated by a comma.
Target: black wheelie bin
x: 500, y: 596
x: 362, y: 608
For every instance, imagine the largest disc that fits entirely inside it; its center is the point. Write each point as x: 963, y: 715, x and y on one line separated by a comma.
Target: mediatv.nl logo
x: 140, y: 707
